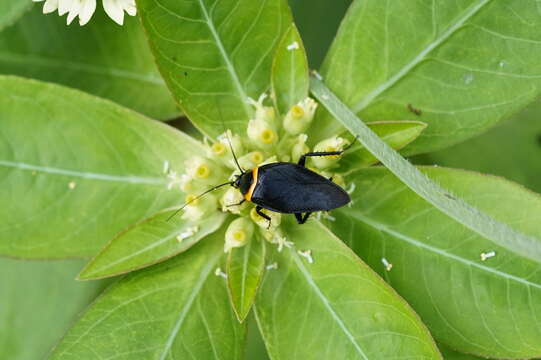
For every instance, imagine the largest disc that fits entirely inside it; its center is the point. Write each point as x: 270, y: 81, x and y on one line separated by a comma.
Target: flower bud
x: 198, y: 168
x: 299, y: 117
x: 238, y: 233
x: 299, y: 147
x: 222, y: 150
x: 264, y: 223
x: 261, y: 129
x: 231, y: 197
x: 334, y: 143
x: 196, y: 209
x: 251, y: 160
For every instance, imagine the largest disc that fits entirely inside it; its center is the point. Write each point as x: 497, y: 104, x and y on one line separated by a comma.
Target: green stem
x: 467, y: 215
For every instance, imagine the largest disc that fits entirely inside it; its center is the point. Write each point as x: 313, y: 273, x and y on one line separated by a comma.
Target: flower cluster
x: 269, y: 139
x: 84, y: 9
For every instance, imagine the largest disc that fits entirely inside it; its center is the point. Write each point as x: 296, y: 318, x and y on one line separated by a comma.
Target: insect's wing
x: 290, y: 188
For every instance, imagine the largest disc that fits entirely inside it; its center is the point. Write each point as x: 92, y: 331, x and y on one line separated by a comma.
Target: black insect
x: 414, y: 110
x: 287, y: 188
x: 290, y: 188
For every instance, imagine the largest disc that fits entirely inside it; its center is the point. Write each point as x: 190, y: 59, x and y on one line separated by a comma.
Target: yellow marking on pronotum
x: 248, y: 195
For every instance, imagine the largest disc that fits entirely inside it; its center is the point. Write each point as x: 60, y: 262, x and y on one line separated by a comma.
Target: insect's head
x: 243, y: 182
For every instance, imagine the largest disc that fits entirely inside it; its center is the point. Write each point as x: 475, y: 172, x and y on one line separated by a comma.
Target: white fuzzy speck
x: 272, y: 266
x: 191, y: 231
x: 219, y: 272
x: 387, y: 264
x: 488, y: 255
x: 72, y: 185
x: 502, y: 64
x: 317, y: 75
x: 307, y: 254
x: 166, y: 166
x: 293, y: 46
x: 468, y: 78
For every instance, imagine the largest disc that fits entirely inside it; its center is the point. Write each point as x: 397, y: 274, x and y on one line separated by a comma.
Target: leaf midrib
x: 132, y: 179
x: 366, y: 100
x: 417, y: 243
x: 27, y: 59
x: 228, y: 63
x: 326, y: 303
x: 205, y: 272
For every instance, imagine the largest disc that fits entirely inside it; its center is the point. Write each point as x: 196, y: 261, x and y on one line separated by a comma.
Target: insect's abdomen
x: 290, y: 188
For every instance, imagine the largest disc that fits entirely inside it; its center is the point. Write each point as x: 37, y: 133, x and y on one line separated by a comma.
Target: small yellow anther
x: 267, y: 136
x: 202, y: 171
x: 218, y: 149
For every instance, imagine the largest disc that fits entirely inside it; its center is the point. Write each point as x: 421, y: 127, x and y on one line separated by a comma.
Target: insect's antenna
x: 199, y: 196
x: 228, y: 139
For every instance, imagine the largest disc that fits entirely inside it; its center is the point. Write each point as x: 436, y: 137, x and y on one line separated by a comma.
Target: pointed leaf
x: 290, y: 81
x: 39, y: 302
x: 10, y: 11
x: 458, y: 209
x: 511, y: 150
x: 396, y: 134
x: 76, y: 169
x: 148, y: 242
x: 215, y: 53
x: 100, y: 58
x: 465, y: 64
x: 335, y: 307
x: 489, y: 308
x: 178, y: 309
x: 245, y: 268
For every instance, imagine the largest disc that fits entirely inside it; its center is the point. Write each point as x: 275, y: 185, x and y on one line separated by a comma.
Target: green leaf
x: 214, y: 54
x: 289, y: 78
x: 449, y: 354
x: 245, y: 268
x: 100, y: 58
x: 396, y: 134
x: 10, y: 11
x: 489, y: 308
x: 76, y: 169
x: 500, y: 233
x: 466, y: 65
x: 39, y: 301
x: 148, y: 242
x: 335, y: 307
x: 178, y: 309
x: 511, y: 150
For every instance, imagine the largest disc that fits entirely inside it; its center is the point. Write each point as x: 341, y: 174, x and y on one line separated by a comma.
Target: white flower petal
x: 74, y: 10
x: 64, y: 6
x: 50, y: 6
x: 87, y: 11
x: 114, y: 10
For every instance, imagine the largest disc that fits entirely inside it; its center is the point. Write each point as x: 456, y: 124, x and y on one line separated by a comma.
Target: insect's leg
x: 237, y: 204
x: 302, y: 219
x: 302, y: 160
x: 263, y: 215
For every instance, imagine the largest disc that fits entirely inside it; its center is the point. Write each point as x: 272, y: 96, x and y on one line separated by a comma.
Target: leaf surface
x: 152, y: 240
x: 10, y: 11
x: 490, y: 308
x: 499, y: 232
x: 290, y: 81
x: 245, y: 269
x: 215, y: 54
x: 39, y: 301
x: 335, y: 307
x: 76, y: 169
x: 177, y: 309
x: 466, y: 64
x: 511, y: 150
x: 100, y: 58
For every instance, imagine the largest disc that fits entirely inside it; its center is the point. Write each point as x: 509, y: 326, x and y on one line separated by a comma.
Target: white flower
x: 84, y: 9
x: 115, y: 9
x: 299, y: 117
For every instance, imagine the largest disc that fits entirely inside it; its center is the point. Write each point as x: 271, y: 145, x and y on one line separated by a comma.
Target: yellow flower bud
x: 334, y: 143
x: 261, y: 129
x: 196, y: 209
x: 251, y: 160
x: 299, y: 147
x: 238, y: 233
x: 232, y: 196
x: 264, y: 223
x: 299, y: 117
x: 198, y: 168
